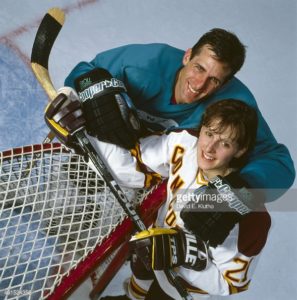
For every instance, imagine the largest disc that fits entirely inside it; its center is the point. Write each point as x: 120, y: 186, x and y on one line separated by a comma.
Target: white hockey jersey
x: 174, y: 156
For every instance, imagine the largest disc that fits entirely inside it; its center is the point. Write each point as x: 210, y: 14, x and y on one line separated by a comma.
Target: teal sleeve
x: 109, y: 60
x: 128, y: 59
x: 270, y: 166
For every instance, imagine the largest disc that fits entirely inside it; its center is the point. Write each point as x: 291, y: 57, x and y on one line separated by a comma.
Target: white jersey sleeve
x: 149, y: 162
x: 142, y: 166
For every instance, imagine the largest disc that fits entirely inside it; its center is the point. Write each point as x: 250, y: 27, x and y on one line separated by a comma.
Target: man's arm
x: 119, y: 61
x: 270, y: 165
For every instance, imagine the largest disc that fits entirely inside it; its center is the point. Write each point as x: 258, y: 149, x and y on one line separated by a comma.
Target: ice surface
x: 268, y: 29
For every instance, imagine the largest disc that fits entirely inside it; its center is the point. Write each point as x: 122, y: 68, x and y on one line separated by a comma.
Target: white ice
x: 268, y: 28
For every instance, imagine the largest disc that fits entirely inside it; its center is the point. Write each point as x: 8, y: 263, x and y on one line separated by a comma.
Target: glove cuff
x: 69, y: 92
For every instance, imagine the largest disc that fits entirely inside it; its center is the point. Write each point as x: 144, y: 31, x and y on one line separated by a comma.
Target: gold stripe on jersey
x: 175, y: 185
x: 192, y: 289
x: 136, y: 290
x: 196, y: 290
x: 151, y: 178
x: 201, y: 179
x: 170, y: 219
x: 238, y: 289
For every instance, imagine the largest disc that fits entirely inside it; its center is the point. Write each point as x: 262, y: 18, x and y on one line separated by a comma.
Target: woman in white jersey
x: 225, y: 257
x: 212, y: 228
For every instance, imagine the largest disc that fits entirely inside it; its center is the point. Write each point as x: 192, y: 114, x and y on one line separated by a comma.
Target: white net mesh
x: 53, y: 211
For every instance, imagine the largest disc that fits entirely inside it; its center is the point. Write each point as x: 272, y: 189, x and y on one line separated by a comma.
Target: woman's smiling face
x: 216, y: 150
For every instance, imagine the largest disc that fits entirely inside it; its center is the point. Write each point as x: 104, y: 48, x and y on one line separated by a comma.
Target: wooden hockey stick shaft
x: 46, y: 35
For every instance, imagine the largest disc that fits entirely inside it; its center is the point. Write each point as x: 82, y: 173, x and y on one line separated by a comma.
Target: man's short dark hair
x: 226, y: 46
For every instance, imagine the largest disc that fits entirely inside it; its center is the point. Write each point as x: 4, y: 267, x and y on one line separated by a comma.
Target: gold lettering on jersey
x: 176, y: 184
x: 171, y: 217
x: 177, y: 159
x: 240, y: 274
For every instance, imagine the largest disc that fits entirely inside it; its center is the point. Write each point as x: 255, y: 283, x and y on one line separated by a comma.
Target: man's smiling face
x: 200, y: 77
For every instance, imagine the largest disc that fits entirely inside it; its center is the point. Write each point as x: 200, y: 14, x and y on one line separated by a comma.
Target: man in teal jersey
x: 171, y: 88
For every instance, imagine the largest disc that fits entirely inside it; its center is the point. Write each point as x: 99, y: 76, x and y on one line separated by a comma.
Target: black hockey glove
x: 108, y: 110
x: 214, y: 210
x: 163, y: 248
x: 64, y: 117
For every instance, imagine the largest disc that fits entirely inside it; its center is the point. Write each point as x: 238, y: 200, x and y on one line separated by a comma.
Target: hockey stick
x: 46, y: 35
x: 44, y: 40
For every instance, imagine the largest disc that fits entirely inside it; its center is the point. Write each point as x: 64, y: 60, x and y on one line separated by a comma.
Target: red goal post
x: 59, y: 223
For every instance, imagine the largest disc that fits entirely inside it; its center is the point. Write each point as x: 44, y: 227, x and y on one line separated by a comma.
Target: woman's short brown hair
x: 237, y: 115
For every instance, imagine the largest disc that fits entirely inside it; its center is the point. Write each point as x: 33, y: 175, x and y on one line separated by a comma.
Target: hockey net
x: 59, y: 223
